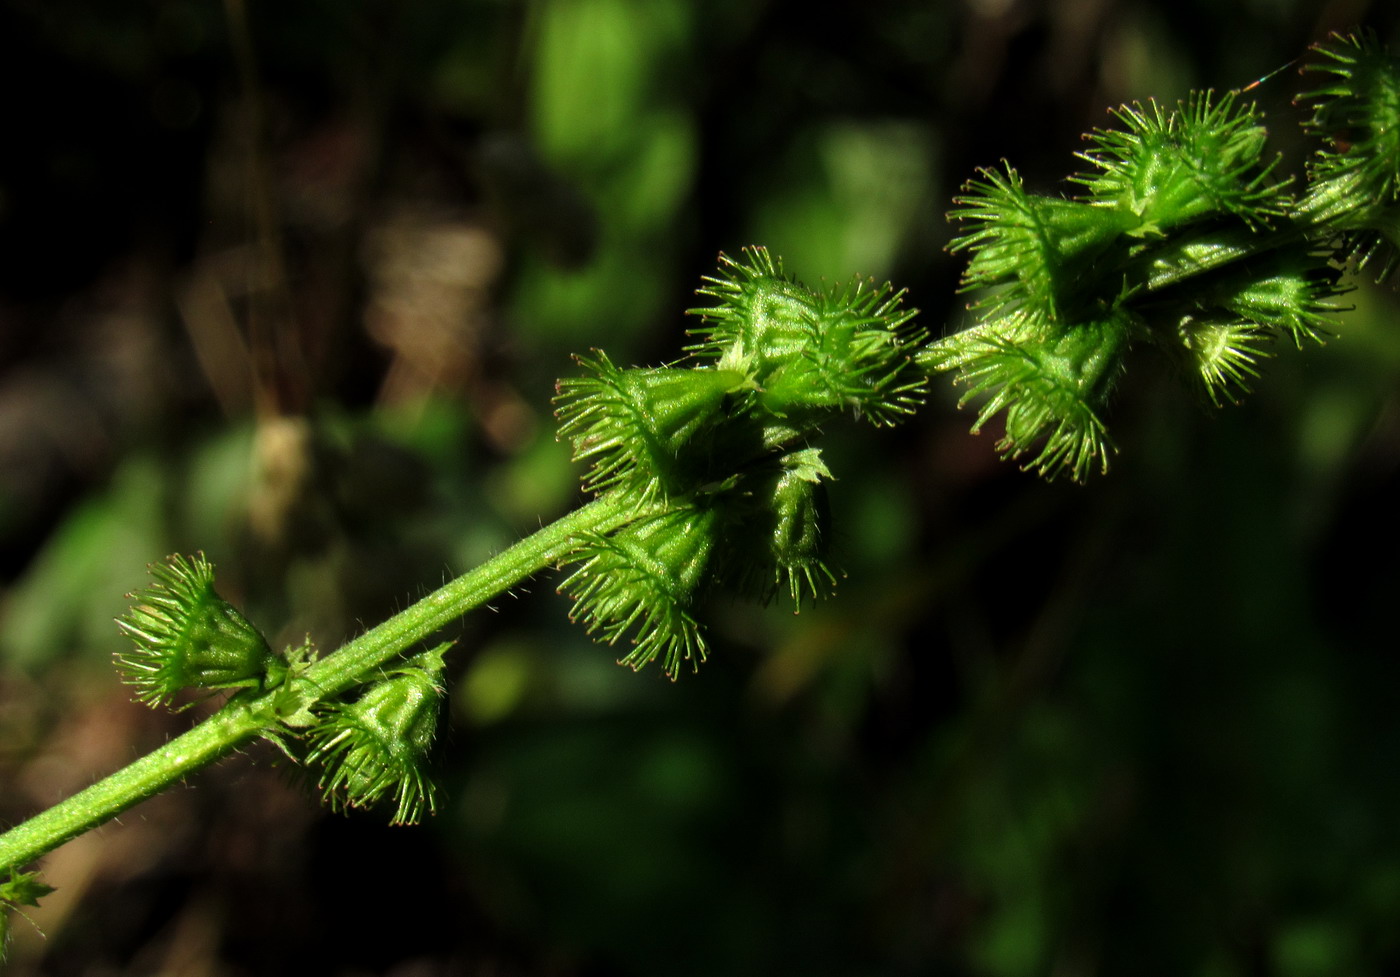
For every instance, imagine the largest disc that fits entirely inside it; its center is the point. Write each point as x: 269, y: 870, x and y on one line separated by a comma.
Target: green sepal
x: 1184, y: 258
x: 292, y: 703
x: 185, y: 635
x: 641, y: 581
x: 633, y: 424
x: 294, y: 706
x: 776, y: 529
x: 21, y: 889
x: 1168, y: 168
x: 959, y: 349
x: 376, y: 747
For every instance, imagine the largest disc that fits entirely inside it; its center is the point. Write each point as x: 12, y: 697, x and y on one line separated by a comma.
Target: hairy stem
x: 244, y: 718
x: 544, y: 548
x: 220, y: 733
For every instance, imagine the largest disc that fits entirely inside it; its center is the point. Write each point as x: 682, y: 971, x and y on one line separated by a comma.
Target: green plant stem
x: 244, y: 718
x: 104, y: 800
x: 544, y: 548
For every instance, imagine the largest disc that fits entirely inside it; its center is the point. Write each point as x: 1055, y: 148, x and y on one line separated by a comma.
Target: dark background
x: 1146, y: 726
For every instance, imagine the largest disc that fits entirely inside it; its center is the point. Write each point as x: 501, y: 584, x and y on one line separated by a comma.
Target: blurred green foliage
x: 1146, y: 726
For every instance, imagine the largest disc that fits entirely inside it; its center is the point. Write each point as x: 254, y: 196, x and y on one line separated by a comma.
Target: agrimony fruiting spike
x: 376, y: 746
x: 641, y: 581
x: 185, y: 635
x: 632, y: 424
x: 1171, y: 167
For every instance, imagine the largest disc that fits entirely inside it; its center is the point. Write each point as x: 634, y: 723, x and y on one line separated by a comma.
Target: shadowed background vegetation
x: 290, y: 283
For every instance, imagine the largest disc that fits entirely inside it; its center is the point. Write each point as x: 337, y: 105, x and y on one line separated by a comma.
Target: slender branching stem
x: 708, y: 473
x: 246, y: 716
x: 221, y: 733
x: 544, y: 548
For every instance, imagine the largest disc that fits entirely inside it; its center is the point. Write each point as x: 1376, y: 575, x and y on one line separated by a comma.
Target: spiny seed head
x: 1357, y: 110
x: 1291, y: 295
x: 1171, y: 167
x: 759, y: 312
x: 1354, y: 180
x: 641, y: 582
x: 635, y: 424
x: 1034, y: 254
x: 858, y: 356
x: 811, y: 353
x: 776, y: 524
x: 1223, y: 355
x: 1052, y: 381
x: 376, y: 746
x: 185, y: 635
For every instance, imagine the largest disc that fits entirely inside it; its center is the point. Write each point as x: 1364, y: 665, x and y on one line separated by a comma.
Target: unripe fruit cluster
x: 717, y: 454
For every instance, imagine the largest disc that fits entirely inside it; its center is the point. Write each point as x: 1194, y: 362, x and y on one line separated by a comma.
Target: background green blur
x: 1146, y: 727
